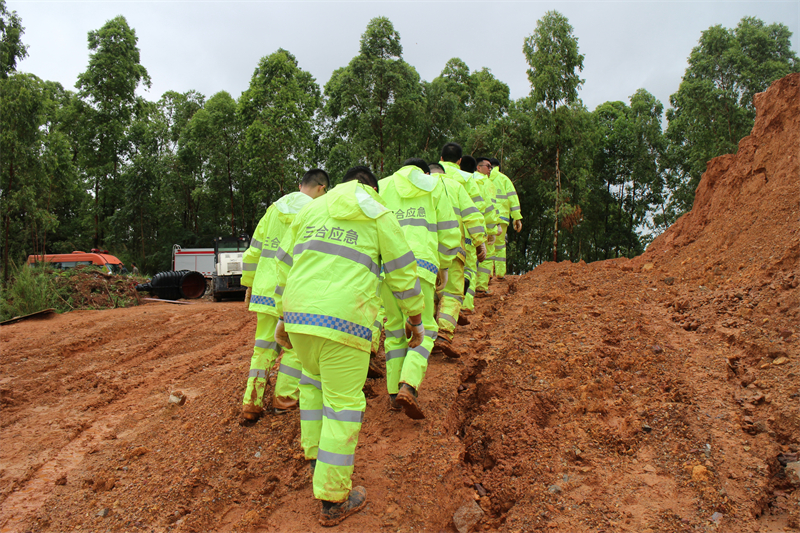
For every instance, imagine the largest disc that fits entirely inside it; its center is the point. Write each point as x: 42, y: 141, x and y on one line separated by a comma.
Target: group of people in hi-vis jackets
x: 326, y: 268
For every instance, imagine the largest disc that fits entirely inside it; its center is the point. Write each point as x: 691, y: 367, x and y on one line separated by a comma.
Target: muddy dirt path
x: 659, y: 394
x: 579, y: 405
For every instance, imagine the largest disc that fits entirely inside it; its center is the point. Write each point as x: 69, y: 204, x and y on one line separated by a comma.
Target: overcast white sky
x: 215, y: 45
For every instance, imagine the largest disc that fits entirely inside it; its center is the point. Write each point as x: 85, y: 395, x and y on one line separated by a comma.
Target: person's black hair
x: 315, y: 176
x: 437, y: 166
x: 495, y: 162
x: 479, y: 159
x: 468, y: 164
x: 417, y: 162
x: 451, y: 152
x: 364, y: 176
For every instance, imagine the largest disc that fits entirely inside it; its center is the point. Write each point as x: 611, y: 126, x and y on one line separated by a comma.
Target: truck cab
x: 227, y: 277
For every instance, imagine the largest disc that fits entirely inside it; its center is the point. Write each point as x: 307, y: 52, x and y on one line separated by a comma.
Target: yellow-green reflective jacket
x: 271, y: 228
x: 490, y: 213
x: 329, y: 262
x: 474, y: 226
x: 424, y: 211
x: 507, y: 198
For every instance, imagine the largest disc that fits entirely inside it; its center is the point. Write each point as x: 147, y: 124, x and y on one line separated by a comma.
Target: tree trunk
x: 230, y: 189
x: 558, y: 197
x: 96, y: 239
x: 8, y: 223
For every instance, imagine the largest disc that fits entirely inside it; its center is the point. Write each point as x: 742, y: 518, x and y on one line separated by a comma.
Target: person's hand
x: 491, y: 239
x: 415, y: 332
x: 517, y: 226
x: 441, y: 279
x: 481, y: 253
x: 247, y: 295
x: 281, y: 337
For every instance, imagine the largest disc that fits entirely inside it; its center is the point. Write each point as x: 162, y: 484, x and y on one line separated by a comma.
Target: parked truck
x: 196, y: 259
x: 226, y: 281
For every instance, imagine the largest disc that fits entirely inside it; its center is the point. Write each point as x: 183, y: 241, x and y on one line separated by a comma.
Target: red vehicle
x: 99, y: 258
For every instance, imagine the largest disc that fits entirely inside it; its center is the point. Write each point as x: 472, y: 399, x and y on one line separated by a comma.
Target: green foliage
x: 31, y: 291
x: 11, y: 47
x: 278, y: 144
x: 108, y: 103
x: 372, y: 106
x: 713, y: 108
x: 105, y: 168
x: 552, y: 53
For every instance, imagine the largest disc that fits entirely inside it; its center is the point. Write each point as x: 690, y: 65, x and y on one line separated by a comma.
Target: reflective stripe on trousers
x: 332, y: 408
x: 265, y: 351
x: 404, y: 364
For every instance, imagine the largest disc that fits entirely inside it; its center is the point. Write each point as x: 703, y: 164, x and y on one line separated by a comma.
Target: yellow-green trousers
x: 377, y: 326
x: 265, y: 352
x: 485, y: 269
x: 500, y: 252
x: 469, y: 296
x: 332, y: 408
x: 452, y: 297
x: 404, y: 364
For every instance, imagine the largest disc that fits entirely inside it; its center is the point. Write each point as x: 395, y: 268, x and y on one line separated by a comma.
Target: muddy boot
x: 444, y: 346
x: 374, y: 371
x: 333, y: 513
x: 482, y: 294
x: 282, y: 404
x: 251, y: 412
x: 462, y: 320
x: 393, y: 406
x: 407, y: 399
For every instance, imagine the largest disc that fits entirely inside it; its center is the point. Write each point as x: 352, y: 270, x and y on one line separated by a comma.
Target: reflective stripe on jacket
x: 329, y: 262
x: 271, y: 229
x: 424, y: 211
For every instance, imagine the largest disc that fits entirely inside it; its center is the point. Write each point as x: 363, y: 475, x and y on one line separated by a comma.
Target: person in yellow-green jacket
x: 328, y: 266
x: 473, y: 237
x: 483, y: 168
x: 259, y: 272
x: 508, y: 210
x: 424, y: 211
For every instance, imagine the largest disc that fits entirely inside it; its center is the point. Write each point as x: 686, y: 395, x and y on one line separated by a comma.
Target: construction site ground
x: 657, y: 394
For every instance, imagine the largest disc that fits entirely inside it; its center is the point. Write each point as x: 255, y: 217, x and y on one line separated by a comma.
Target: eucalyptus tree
x: 277, y: 114
x: 108, y: 91
x: 11, y: 47
x: 627, y: 184
x: 552, y: 54
x: 713, y: 108
x: 210, y: 147
x: 37, y: 177
x: 373, y: 105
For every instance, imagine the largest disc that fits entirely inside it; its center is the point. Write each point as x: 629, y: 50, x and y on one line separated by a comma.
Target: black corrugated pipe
x: 174, y: 285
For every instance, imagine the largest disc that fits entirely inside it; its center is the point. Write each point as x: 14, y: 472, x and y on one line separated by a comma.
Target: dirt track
x: 656, y: 394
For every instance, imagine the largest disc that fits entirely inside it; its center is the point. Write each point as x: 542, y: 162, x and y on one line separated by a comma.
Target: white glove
x: 281, y: 337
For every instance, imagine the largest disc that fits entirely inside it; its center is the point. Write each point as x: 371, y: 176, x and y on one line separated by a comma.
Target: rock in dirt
x: 793, y: 473
x: 102, y: 513
x: 467, y: 516
x: 780, y: 361
x: 700, y: 473
x: 177, y: 397
x: 554, y: 489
